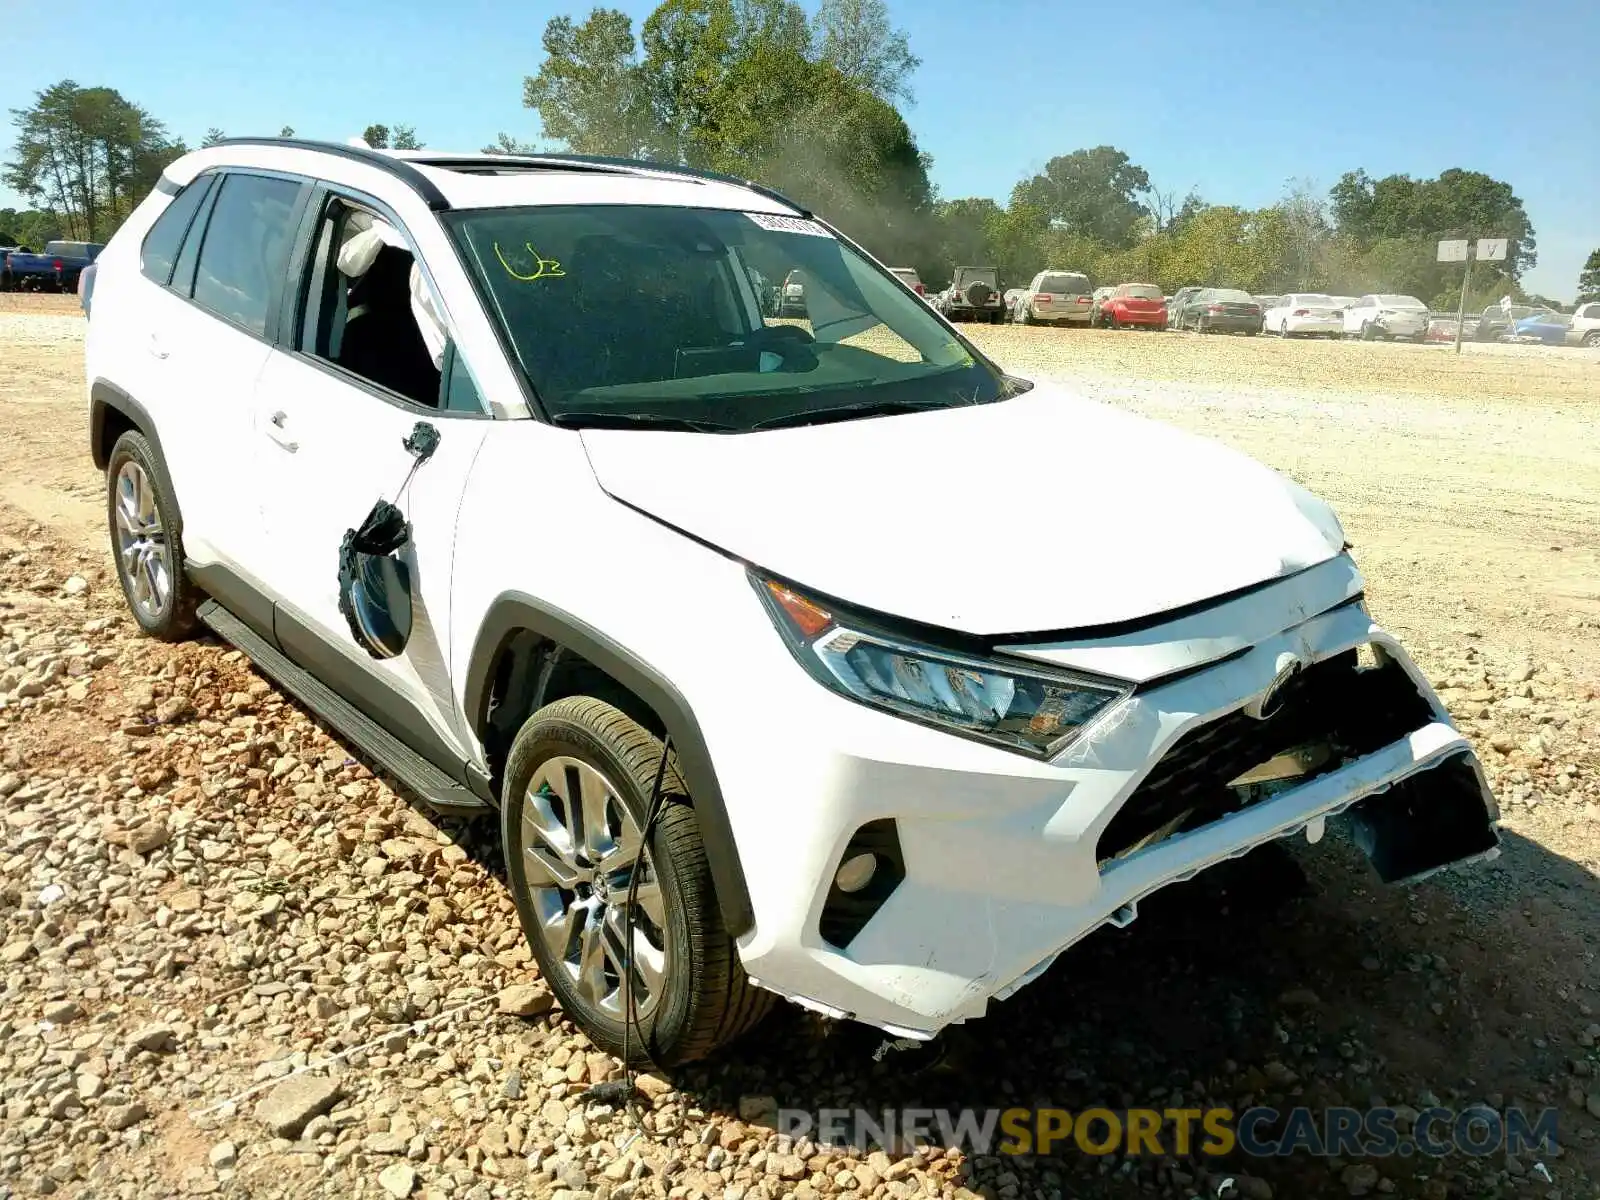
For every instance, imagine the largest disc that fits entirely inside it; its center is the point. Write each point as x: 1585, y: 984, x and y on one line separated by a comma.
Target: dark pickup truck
x: 57, y: 269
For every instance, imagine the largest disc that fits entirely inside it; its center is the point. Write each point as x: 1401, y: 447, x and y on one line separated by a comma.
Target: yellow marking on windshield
x: 547, y: 268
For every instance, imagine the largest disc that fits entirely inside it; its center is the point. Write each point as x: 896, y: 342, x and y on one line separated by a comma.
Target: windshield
x: 1139, y: 291
x: 1401, y: 302
x: 640, y: 313
x: 1071, y: 285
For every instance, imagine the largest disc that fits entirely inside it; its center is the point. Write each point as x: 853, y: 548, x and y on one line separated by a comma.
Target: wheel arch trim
x: 104, y: 396
x: 513, y: 613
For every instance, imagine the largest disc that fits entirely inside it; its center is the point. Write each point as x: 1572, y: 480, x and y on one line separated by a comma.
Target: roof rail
x: 398, y: 167
x: 406, y: 169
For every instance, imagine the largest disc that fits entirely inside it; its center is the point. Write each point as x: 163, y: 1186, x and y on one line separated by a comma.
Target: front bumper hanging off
x: 992, y: 866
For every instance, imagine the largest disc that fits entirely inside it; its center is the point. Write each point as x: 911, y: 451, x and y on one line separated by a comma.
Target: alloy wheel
x: 143, y: 553
x: 581, y: 847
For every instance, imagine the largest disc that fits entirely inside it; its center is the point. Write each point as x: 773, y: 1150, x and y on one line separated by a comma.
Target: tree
x: 506, y: 144
x: 1589, y: 279
x: 857, y: 38
x: 286, y: 132
x: 376, y: 136
x: 212, y: 137
x: 1094, y: 193
x: 404, y: 138
x: 589, y: 92
x: 29, y: 227
x: 88, y: 154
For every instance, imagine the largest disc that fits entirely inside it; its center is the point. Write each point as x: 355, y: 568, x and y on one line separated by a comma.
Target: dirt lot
x: 203, y: 894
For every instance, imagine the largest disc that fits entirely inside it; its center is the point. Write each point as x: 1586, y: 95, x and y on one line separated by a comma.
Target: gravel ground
x: 234, y: 961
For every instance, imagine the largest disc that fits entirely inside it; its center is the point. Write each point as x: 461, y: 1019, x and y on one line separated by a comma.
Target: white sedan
x: 1305, y: 313
x: 1384, y: 316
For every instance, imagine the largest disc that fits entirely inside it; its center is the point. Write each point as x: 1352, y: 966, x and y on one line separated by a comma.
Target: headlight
x: 1035, y: 712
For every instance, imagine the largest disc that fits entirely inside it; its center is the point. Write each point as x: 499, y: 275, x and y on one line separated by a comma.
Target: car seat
x: 382, y: 338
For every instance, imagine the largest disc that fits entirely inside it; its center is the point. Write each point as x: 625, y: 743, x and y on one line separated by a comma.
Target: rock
x: 1359, y: 1179
x: 291, y: 1104
x: 88, y: 1085
x: 223, y: 1155
x: 62, y: 1011
x: 124, y: 1116
x: 1251, y: 1188
x: 526, y: 1000
x: 150, y: 836
x: 10, y: 782
x: 155, y: 1038
x: 1592, y: 1103
x: 786, y: 1166
x: 186, y: 901
x: 653, y: 1086
x: 76, y: 585
x: 398, y: 1179
x: 385, y: 1143
x: 173, y: 710
x: 511, y: 1089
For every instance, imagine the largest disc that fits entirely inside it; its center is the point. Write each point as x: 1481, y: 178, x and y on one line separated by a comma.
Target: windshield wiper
x: 612, y: 419
x: 846, y: 412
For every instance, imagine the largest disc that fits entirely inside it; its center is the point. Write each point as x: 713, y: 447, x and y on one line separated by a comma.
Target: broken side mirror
x: 374, y: 584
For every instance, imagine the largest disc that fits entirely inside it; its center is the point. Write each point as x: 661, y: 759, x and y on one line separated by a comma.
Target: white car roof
x: 461, y: 181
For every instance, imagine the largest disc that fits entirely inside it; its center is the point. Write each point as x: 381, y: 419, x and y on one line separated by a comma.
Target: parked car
x: 1586, y: 323
x: 1386, y: 316
x: 1133, y: 306
x: 1442, y: 327
x: 973, y: 295
x: 1495, y: 322
x: 792, y: 295
x: 1221, y: 310
x: 1265, y: 303
x: 1054, y: 298
x: 1176, y: 303
x: 55, y: 269
x: 1304, y: 314
x: 909, y: 277
x: 1548, y: 328
x: 1096, y: 299
x: 845, y: 770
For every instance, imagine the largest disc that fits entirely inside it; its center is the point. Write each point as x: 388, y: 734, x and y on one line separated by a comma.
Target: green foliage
x: 1093, y: 193
x: 1589, y: 279
x: 746, y: 87
x: 29, y: 227
x: 88, y: 155
x: 856, y: 38
x: 212, y: 137
x: 286, y: 132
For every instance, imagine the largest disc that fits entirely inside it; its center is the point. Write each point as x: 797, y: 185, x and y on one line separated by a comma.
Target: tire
x: 141, y: 518
x: 702, y: 999
x: 1283, y: 329
x: 1368, y: 332
x: 1200, y: 325
x: 1592, y: 339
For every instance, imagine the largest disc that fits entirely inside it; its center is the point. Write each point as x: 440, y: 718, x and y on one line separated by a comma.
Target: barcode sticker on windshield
x: 778, y: 223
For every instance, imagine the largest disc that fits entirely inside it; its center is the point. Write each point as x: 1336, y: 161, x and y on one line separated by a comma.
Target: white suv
x: 496, y: 464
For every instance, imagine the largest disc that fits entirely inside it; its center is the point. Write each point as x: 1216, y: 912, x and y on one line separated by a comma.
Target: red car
x: 1136, y: 305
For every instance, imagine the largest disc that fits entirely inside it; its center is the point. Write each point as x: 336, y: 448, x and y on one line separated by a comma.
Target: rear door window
x: 246, y: 249
x: 1068, y: 285
x: 166, y: 236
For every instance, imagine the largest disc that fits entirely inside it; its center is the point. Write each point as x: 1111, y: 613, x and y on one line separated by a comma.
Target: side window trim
x: 194, y: 237
x: 204, y: 182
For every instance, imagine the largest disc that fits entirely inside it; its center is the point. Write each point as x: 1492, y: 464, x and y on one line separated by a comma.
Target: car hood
x: 1040, y: 513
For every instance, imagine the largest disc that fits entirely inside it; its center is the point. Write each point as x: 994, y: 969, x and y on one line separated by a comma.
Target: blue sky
x: 1231, y: 97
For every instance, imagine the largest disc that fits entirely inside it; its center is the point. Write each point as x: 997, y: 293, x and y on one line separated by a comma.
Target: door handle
x: 154, y: 346
x: 275, y: 431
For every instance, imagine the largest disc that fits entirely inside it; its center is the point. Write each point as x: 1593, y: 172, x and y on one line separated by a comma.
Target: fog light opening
x: 856, y: 872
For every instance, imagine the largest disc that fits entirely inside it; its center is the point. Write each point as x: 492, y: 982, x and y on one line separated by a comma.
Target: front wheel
x: 1592, y: 338
x: 144, y: 536
x: 1369, y: 332
x: 577, y: 785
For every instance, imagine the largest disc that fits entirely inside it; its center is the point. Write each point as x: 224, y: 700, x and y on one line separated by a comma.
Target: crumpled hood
x: 1044, y: 512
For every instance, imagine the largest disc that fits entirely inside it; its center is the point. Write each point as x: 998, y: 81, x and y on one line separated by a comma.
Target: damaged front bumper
x: 989, y: 867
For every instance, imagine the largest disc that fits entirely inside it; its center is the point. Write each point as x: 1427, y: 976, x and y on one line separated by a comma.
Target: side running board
x: 432, y: 786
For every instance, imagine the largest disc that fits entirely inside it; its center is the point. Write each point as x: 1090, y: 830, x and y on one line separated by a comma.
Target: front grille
x: 1355, y: 711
